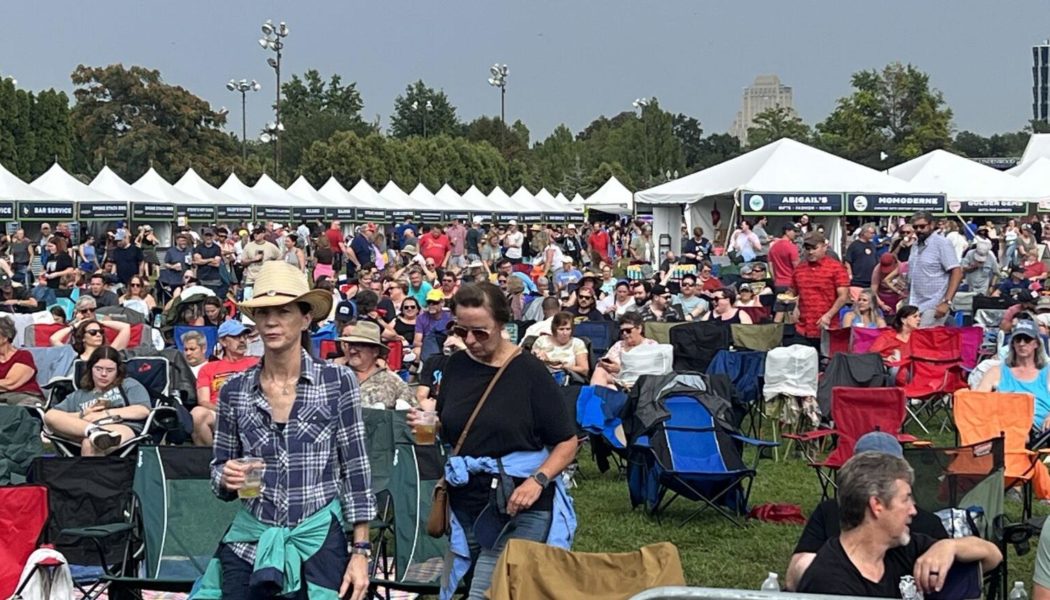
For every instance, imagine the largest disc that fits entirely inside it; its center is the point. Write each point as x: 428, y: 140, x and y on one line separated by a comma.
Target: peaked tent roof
x: 368, y: 195
x: 423, y: 199
x: 57, y: 182
x: 448, y: 198
x: 499, y: 201
x: 1038, y: 147
x: 13, y: 188
x: 784, y: 165
x: 194, y: 185
x: 396, y: 196
x: 156, y: 186
x: 109, y: 183
x: 523, y: 201
x: 1036, y: 176
x: 474, y: 199
x: 269, y: 193
x: 235, y: 188
x: 578, y: 199
x: 963, y: 179
x: 612, y: 197
x: 302, y: 189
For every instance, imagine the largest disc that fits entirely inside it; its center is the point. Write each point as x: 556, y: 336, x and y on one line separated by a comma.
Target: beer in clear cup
x: 426, y: 428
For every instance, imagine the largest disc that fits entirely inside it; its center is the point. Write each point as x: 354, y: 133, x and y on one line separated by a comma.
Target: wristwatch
x: 541, y: 478
x: 362, y: 548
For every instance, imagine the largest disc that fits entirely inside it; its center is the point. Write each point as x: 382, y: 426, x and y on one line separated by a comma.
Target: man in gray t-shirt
x: 21, y: 256
x: 980, y: 267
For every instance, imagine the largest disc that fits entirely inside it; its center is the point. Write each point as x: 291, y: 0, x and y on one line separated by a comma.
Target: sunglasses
x: 684, y: 284
x: 86, y: 310
x: 410, y: 307
x: 920, y: 226
x: 626, y: 331
x: 92, y: 332
x: 138, y: 285
x: 433, y: 302
x: 582, y: 297
x: 480, y: 334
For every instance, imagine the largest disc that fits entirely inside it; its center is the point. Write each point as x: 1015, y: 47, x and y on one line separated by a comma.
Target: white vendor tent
x: 146, y: 208
x: 613, y: 197
x: 306, y: 193
x: 57, y: 182
x: 14, y: 189
x: 523, y: 201
x: 368, y: 195
x: 475, y: 200
x: 963, y: 179
x: 499, y: 201
x: 1036, y: 176
x: 154, y: 185
x: 396, y: 198
x: 228, y: 208
x: 424, y: 199
x: 1038, y: 147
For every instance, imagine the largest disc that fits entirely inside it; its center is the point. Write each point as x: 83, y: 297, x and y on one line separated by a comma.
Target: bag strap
x: 484, y: 397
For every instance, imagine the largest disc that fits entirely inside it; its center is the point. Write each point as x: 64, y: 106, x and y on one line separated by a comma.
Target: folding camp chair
x: 23, y: 513
x: 851, y: 370
x: 761, y: 338
x: 602, y: 334
x: 968, y: 478
x: 92, y: 515
x: 696, y: 343
x: 38, y: 335
x: 211, y: 336
x: 790, y: 391
x: 598, y: 411
x: 854, y: 412
x: 835, y: 341
x: 182, y: 520
x: 862, y: 338
x: 746, y: 370
x: 934, y: 373
x: 758, y: 314
x: 984, y: 415
x: 693, y: 457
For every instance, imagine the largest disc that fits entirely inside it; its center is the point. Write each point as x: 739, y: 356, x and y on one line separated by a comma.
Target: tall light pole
x: 498, y: 79
x: 427, y: 107
x: 641, y: 104
x: 273, y: 40
x: 244, y: 86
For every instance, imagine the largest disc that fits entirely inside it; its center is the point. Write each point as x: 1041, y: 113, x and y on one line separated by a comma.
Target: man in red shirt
x: 706, y: 280
x: 598, y: 243
x: 783, y: 256
x: 435, y: 246
x: 335, y: 240
x: 233, y: 337
x: 822, y: 286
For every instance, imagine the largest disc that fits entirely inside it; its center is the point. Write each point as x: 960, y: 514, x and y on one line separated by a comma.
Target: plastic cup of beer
x: 252, y: 477
x: 426, y: 428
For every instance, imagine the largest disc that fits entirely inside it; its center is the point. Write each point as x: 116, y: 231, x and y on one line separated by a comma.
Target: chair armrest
x: 98, y: 531
x: 754, y: 442
x: 809, y: 436
x: 922, y: 443
x: 907, y: 438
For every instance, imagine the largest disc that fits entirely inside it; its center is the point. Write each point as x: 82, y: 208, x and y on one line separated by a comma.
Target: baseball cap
x: 981, y: 250
x: 479, y: 220
x: 5, y: 280
x: 1043, y: 304
x: 512, y: 222
x: 435, y: 295
x: 790, y: 227
x: 878, y: 441
x: 121, y: 234
x: 814, y: 238
x: 209, y: 231
x: 1025, y: 327
x: 659, y: 290
x: 345, y: 311
x: 567, y: 259
x: 231, y: 328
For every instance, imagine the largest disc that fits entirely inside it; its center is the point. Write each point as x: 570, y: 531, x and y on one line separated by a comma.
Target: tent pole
x: 732, y: 219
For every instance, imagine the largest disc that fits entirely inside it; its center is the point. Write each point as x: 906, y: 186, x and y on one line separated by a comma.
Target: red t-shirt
x: 335, y: 238
x: 783, y: 255
x: 1034, y: 270
x: 434, y: 247
x: 22, y: 357
x: 710, y: 285
x: 214, y: 374
x: 817, y: 285
x: 599, y: 242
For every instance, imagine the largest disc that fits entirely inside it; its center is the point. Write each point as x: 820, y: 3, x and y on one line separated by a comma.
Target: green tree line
x: 130, y: 119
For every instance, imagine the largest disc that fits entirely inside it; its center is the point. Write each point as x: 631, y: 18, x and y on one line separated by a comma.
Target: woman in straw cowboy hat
x: 299, y: 421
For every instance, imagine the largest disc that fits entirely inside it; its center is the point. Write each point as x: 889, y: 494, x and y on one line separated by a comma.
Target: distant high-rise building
x: 765, y: 93
x: 1041, y: 81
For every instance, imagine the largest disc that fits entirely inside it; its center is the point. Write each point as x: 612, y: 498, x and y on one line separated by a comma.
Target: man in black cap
x: 659, y: 308
x: 15, y: 299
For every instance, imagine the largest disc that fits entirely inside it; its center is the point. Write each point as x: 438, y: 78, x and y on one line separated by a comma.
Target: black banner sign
x: 889, y: 204
x: 102, y: 211
x: 150, y: 211
x: 7, y: 210
x: 370, y: 214
x: 342, y: 213
x: 273, y: 213
x: 400, y: 213
x: 556, y: 217
x: 430, y: 216
x: 506, y: 218
x: 452, y: 215
x: 234, y: 213
x: 987, y: 207
x: 45, y: 211
x: 192, y: 212
x: 531, y: 217
x: 772, y: 203
x: 307, y: 213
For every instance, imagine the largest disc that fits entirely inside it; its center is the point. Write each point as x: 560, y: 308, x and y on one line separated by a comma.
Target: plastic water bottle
x: 1018, y: 593
x: 771, y: 584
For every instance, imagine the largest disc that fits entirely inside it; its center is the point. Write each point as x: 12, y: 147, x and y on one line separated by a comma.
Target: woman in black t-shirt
x: 523, y: 414
x: 59, y: 262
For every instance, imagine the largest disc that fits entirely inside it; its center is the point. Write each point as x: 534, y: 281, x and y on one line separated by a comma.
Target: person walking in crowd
x: 598, y: 243
x: 531, y: 501
x: 206, y: 258
x: 22, y: 252
x: 293, y: 254
x: 980, y: 268
x: 783, y: 256
x: 177, y: 260
x: 861, y: 259
x: 821, y: 284
x: 58, y: 263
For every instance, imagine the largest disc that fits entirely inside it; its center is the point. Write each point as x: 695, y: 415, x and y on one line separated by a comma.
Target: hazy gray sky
x: 570, y: 61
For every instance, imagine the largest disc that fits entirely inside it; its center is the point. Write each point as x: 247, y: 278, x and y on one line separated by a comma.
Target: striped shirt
x: 317, y: 456
x: 929, y: 269
x: 817, y: 285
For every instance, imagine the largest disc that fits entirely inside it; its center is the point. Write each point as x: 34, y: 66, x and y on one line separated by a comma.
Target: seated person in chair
x: 233, y: 339
x: 823, y: 523
x: 632, y: 335
x: 1025, y: 370
x: 876, y: 548
x: 108, y: 410
x: 561, y: 352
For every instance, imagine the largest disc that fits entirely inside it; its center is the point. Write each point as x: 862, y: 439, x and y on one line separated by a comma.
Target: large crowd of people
x: 432, y: 317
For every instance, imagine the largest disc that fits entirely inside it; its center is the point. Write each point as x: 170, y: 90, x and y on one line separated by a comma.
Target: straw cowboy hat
x: 279, y: 283
x: 366, y: 332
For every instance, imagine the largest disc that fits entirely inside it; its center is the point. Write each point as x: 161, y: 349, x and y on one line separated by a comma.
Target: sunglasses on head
x: 480, y: 334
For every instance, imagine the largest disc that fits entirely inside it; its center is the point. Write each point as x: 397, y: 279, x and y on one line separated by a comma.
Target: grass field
x: 714, y: 552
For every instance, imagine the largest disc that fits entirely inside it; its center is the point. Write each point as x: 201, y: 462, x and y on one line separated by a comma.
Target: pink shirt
x: 457, y: 236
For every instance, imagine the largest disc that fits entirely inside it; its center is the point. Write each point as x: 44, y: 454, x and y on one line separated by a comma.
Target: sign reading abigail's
x: 102, y: 211
x: 890, y: 204
x: 774, y: 203
x: 45, y: 211
x: 978, y: 208
x: 152, y: 211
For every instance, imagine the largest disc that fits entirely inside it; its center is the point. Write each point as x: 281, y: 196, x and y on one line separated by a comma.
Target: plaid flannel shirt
x: 320, y: 455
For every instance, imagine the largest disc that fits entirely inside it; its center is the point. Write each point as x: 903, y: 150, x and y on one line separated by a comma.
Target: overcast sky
x: 570, y: 61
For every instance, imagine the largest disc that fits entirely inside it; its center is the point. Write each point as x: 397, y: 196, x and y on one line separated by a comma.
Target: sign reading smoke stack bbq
x: 891, y: 204
x: 102, y: 211
x: 977, y: 208
x: 775, y: 203
x: 151, y: 211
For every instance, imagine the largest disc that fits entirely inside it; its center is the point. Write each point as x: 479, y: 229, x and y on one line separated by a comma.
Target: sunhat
x: 279, y: 283
x: 366, y: 332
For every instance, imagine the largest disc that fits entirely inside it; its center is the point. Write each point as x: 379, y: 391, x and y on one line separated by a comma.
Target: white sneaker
x: 104, y: 440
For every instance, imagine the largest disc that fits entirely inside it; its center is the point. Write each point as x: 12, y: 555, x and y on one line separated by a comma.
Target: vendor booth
x: 60, y: 184
x: 15, y: 192
x: 146, y: 209
x: 229, y: 211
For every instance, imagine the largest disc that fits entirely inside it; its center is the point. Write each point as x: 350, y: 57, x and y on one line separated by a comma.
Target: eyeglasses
x: 92, y: 332
x: 626, y: 331
x: 480, y: 334
x: 138, y: 285
x: 104, y: 370
x: 86, y: 310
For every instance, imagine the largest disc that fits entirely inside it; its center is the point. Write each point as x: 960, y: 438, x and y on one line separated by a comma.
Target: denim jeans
x: 532, y: 525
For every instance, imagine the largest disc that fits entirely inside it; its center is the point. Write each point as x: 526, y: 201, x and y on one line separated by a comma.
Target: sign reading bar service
x: 234, y: 213
x: 7, y: 211
x: 890, y: 204
x: 273, y: 213
x: 770, y: 203
x: 102, y: 211
x: 152, y: 211
x: 987, y: 207
x: 45, y: 211
x: 308, y: 213
x: 531, y: 218
x: 193, y: 212
x: 556, y: 217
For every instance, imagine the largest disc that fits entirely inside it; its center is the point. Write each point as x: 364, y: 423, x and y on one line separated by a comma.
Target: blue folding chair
x: 745, y: 369
x: 602, y: 334
x: 691, y: 456
x: 211, y: 335
x: 598, y: 410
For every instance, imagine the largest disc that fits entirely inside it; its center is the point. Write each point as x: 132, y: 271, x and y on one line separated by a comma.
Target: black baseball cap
x: 345, y: 311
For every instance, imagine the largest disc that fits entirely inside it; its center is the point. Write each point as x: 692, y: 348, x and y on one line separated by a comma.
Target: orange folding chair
x: 981, y: 416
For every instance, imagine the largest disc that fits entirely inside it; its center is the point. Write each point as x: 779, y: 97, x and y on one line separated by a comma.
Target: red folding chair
x: 934, y: 373
x: 758, y: 314
x: 863, y: 338
x: 396, y: 356
x: 327, y: 347
x: 834, y: 341
x: 854, y: 412
x: 23, y: 514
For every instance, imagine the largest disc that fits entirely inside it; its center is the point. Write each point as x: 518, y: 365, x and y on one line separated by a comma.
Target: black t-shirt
x: 832, y: 572
x: 591, y: 315
x: 524, y: 412
x: 862, y: 259
x: 432, y: 373
x: 823, y: 525
x: 107, y: 298
x: 127, y: 261
x: 56, y: 263
x: 207, y: 273
x: 405, y: 330
x: 473, y: 241
x: 386, y: 309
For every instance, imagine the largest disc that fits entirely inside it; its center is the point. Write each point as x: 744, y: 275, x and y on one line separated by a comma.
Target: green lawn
x: 714, y: 552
